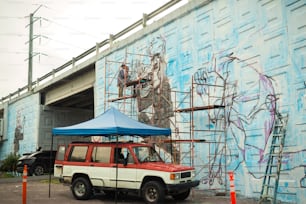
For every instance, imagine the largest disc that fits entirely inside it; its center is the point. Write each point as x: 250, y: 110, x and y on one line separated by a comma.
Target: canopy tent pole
x: 51, y: 149
x: 116, y: 160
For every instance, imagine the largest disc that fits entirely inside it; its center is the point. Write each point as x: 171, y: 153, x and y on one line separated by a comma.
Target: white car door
x: 123, y: 174
x: 100, y: 166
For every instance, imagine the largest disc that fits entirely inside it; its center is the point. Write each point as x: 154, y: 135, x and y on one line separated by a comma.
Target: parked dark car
x: 38, y: 163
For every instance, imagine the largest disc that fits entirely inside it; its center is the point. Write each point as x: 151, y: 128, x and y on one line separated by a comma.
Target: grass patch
x: 54, y: 181
x: 6, y: 175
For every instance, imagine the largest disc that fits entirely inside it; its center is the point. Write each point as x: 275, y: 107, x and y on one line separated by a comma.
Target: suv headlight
x: 193, y: 174
x: 175, y: 176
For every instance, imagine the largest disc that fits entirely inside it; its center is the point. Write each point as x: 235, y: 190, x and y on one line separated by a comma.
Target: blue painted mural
x: 22, y: 133
x: 245, y: 56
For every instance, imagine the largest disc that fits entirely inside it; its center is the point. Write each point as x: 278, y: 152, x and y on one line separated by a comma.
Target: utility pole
x: 30, y: 62
x: 30, y: 55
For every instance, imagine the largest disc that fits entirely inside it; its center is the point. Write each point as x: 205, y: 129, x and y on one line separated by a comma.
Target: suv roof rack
x: 104, y: 142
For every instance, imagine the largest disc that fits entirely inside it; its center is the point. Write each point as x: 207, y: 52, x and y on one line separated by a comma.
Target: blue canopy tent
x: 111, y: 123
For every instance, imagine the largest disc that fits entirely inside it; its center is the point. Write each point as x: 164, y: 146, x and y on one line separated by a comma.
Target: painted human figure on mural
x: 154, y: 95
x: 241, y: 110
x: 263, y: 105
x: 18, y: 131
x: 214, y: 88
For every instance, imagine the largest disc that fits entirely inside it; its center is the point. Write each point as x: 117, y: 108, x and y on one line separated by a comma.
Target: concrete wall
x: 29, y: 125
x: 256, y: 49
x: 51, y: 117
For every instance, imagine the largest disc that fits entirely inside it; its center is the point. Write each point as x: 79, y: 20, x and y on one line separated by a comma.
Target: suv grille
x: 186, y: 174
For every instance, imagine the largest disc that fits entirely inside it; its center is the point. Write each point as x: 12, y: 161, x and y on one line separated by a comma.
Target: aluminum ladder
x: 271, y: 178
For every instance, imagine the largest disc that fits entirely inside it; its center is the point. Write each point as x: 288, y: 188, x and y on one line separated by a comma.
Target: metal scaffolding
x: 207, y: 136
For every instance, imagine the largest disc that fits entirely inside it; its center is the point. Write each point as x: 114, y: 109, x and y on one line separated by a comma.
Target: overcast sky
x: 63, y: 29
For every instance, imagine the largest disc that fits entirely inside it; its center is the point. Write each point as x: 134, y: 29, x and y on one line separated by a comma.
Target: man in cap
x: 123, y: 77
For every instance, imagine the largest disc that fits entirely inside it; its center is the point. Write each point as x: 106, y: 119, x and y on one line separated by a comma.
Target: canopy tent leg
x: 51, y: 149
x: 116, y: 160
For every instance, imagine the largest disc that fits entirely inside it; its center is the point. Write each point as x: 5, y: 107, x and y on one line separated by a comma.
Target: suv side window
x: 118, y: 156
x: 123, y: 155
x: 128, y: 156
x: 101, y: 154
x: 78, y: 153
x: 61, y: 153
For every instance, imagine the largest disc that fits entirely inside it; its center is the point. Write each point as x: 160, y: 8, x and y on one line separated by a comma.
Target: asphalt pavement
x: 38, y: 192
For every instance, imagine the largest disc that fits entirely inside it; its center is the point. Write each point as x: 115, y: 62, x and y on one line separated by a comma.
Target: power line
x: 62, y: 42
x: 12, y: 52
x: 11, y: 17
x: 73, y: 29
x: 68, y: 27
x: 13, y: 34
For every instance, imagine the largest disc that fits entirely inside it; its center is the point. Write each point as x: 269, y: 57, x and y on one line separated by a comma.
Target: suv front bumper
x: 176, y: 188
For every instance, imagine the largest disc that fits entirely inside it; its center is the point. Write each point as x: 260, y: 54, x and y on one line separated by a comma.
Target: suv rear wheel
x: 81, y: 188
x: 153, y: 192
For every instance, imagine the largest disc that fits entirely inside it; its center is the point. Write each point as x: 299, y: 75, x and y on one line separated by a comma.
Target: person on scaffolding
x: 123, y: 77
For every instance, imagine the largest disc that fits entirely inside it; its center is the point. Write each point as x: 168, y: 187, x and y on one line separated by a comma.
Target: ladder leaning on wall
x: 272, y: 173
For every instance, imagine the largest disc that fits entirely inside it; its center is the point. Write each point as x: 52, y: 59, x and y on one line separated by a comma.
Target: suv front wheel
x: 81, y: 188
x: 153, y: 192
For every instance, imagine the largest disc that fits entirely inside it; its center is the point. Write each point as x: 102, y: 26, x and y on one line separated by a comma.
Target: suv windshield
x: 147, y: 154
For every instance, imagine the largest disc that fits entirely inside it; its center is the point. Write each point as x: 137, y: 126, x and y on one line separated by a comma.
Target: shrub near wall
x: 9, y: 163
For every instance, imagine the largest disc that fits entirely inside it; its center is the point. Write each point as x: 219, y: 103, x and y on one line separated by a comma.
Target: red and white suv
x: 122, y: 167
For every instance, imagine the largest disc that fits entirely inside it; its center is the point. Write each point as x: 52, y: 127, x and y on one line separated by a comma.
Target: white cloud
x: 65, y: 30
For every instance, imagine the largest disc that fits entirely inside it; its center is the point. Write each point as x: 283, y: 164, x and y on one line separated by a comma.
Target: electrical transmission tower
x: 31, y: 54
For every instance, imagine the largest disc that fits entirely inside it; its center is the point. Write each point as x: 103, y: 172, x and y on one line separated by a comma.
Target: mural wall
x: 246, y: 59
x: 22, y: 131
